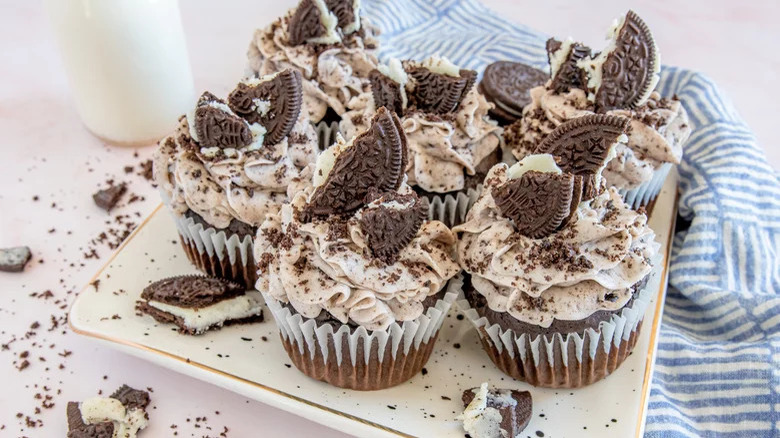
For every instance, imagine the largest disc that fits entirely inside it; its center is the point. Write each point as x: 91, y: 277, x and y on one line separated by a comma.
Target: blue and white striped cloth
x: 718, y: 366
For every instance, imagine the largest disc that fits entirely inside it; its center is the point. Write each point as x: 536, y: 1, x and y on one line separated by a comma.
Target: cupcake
x: 228, y: 165
x: 329, y: 43
x: 452, y: 141
x: 352, y: 271
x: 608, y: 83
x: 557, y: 264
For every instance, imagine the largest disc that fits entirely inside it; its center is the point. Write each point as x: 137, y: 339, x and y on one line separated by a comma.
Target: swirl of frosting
x: 589, y: 265
x: 332, y: 74
x: 242, y: 184
x: 659, y: 128
x: 442, y: 151
x: 324, y: 265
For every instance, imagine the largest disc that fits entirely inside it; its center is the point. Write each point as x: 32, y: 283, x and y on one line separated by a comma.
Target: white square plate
x: 250, y: 360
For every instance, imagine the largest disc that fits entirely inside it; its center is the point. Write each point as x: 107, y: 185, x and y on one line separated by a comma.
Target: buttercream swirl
x: 246, y: 185
x: 589, y: 265
x: 332, y: 74
x: 659, y: 128
x: 442, y: 150
x: 325, y: 265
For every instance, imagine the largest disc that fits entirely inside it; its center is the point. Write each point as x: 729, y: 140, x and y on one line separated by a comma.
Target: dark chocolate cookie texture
x: 627, y: 75
x: 582, y: 145
x: 305, y: 23
x: 386, y: 92
x: 191, y: 291
x: 538, y: 203
x: 389, y: 229
x: 515, y: 407
x: 375, y: 160
x: 569, y: 75
x: 282, y: 96
x: 345, y: 11
x: 218, y: 128
x: 78, y: 429
x: 508, y: 83
x: 439, y: 93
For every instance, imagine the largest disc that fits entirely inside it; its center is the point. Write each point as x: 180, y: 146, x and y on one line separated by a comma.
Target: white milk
x: 127, y: 65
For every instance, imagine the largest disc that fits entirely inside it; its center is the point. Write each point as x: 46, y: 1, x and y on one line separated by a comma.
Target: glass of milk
x: 127, y: 66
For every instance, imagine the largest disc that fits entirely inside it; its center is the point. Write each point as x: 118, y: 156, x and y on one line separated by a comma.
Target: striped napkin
x: 717, y: 372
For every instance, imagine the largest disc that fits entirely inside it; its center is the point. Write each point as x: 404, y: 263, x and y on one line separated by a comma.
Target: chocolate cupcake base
x: 224, y: 253
x: 347, y: 356
x: 563, y: 359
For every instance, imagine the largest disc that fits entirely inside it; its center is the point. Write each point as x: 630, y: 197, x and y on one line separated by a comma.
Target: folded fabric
x: 717, y: 371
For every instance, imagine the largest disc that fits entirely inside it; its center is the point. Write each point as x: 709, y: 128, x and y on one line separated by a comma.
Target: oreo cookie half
x: 507, y: 85
x: 305, y: 23
x: 391, y: 221
x: 386, y: 92
x: 515, y: 409
x: 197, y: 303
x: 581, y: 146
x: 438, y: 93
x: 217, y: 126
x: 133, y: 401
x: 376, y: 159
x: 630, y: 71
x: 274, y: 103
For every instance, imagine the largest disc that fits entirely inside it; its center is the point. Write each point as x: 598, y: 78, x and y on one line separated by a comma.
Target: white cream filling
x: 253, y: 82
x: 355, y: 25
x: 327, y: 159
x: 202, y: 318
x: 479, y: 420
x: 441, y: 65
x: 537, y: 162
x: 126, y: 422
x: 329, y: 22
x: 395, y: 71
x: 558, y: 57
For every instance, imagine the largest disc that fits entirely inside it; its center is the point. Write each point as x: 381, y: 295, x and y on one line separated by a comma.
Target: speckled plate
x: 250, y: 359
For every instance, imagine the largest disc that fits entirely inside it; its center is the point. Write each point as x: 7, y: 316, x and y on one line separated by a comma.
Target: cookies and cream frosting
x: 443, y: 148
x: 334, y: 65
x: 589, y: 265
x: 225, y: 183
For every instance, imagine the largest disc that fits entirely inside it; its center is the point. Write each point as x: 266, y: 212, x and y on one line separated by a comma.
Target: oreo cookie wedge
x: 347, y: 13
x: 346, y: 173
x: 627, y: 71
x: 198, y: 303
x: 565, y: 69
x: 388, y: 86
x: 583, y: 146
x: 123, y: 413
x: 273, y: 101
x: 507, y: 85
x: 390, y: 221
x: 312, y: 22
x: 514, y: 409
x: 217, y: 126
x: 438, y: 86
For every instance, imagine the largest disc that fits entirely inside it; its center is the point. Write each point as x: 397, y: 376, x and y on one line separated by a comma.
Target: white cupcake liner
x: 610, y: 334
x: 646, y: 192
x: 451, y: 208
x: 326, y: 133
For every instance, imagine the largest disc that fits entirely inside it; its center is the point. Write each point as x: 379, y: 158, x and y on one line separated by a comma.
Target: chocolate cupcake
x: 557, y: 265
x: 229, y: 164
x: 352, y: 270
x: 452, y: 141
x: 329, y: 44
x: 585, y: 83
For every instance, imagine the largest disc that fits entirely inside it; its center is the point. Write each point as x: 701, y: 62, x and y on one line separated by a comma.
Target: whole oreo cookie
x: 283, y: 95
x: 507, y: 85
x: 386, y: 92
x: 388, y: 230
x: 628, y: 73
x: 569, y: 74
x: 305, y: 23
x: 539, y: 203
x: 439, y: 93
x: 219, y: 128
x: 581, y: 146
x: 376, y: 160
x: 191, y: 291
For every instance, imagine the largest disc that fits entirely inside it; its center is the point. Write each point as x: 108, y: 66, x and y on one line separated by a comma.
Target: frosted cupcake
x: 229, y: 164
x: 620, y: 80
x: 352, y: 270
x: 557, y: 264
x: 452, y: 141
x: 329, y: 43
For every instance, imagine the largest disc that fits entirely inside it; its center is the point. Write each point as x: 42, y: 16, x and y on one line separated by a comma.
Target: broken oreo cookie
x: 568, y: 74
x: 122, y: 414
x: 14, y: 259
x: 507, y: 85
x: 376, y: 159
x: 305, y: 23
x: 582, y: 146
x: 274, y: 103
x: 438, y: 93
x: 386, y: 92
x: 217, y: 126
x: 391, y: 221
x: 108, y: 198
x: 496, y: 413
x: 197, y: 303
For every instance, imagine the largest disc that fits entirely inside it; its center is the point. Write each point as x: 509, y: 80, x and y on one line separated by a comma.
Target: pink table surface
x: 48, y: 154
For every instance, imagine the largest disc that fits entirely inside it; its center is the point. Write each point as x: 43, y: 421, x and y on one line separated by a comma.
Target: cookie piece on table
x: 507, y: 85
x: 108, y: 198
x: 14, y: 259
x: 123, y: 414
x: 197, y: 303
x: 496, y: 413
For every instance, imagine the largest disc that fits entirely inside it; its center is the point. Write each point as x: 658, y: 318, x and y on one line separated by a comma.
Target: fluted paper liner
x: 452, y: 207
x: 643, y: 195
x: 567, y: 360
x: 217, y: 254
x: 326, y: 133
x: 359, y: 359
